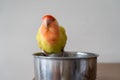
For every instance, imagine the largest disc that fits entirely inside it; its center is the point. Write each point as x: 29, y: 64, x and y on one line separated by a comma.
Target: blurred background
x: 91, y: 26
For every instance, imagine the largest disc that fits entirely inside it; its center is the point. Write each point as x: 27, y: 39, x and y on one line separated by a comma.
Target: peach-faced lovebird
x: 51, y: 37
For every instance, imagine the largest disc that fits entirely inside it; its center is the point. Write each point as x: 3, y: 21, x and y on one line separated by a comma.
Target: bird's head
x: 49, y: 20
x: 50, y: 29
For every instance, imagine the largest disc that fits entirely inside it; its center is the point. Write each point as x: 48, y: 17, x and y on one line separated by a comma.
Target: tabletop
x: 108, y: 71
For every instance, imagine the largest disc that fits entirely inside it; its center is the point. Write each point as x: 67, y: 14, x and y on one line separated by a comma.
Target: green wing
x: 63, y: 37
x: 38, y: 38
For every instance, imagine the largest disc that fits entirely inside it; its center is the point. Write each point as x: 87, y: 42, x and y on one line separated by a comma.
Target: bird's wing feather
x: 63, y: 37
x: 38, y: 38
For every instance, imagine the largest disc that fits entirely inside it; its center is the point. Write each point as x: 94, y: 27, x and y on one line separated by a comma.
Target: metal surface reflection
x: 71, y: 66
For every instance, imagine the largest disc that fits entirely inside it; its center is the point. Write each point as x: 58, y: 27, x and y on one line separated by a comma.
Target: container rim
x: 68, y: 55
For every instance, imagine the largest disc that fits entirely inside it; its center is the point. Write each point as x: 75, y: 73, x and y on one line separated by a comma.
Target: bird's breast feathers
x: 50, y: 37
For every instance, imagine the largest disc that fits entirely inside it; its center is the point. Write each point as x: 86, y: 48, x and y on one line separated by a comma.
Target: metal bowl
x: 70, y: 66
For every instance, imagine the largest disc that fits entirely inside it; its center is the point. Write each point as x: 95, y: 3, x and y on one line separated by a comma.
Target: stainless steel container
x: 70, y: 66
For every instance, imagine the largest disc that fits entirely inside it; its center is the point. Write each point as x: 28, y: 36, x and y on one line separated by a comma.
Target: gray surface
x: 92, y: 26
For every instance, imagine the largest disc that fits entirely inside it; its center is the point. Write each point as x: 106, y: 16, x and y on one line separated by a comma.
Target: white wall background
x: 91, y: 25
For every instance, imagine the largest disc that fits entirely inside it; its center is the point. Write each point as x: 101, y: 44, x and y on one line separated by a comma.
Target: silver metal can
x: 70, y: 66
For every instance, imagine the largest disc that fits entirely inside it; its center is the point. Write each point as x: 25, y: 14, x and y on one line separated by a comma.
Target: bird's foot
x: 45, y: 53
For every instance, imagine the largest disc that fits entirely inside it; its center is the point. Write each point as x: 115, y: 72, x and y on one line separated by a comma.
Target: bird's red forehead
x: 48, y: 17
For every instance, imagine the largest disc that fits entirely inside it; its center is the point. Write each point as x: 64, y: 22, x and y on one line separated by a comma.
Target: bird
x: 51, y: 37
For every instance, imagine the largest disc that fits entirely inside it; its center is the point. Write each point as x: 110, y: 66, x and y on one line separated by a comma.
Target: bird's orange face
x: 50, y: 29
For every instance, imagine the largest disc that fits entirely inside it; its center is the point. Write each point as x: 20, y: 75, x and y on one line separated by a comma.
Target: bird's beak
x: 48, y: 22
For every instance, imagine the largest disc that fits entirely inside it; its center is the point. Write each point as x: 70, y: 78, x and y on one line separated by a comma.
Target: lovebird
x: 51, y: 37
